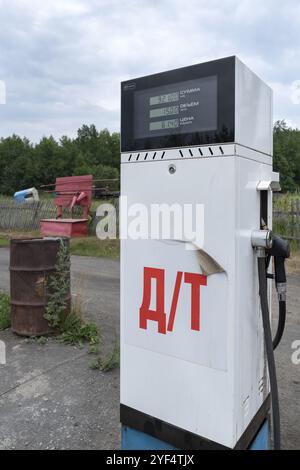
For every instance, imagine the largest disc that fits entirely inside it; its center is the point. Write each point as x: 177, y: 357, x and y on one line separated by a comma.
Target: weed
x: 110, y: 362
x: 75, y: 331
x: 42, y: 340
x: 94, y: 349
x: 36, y: 339
x: 58, y: 287
x: 31, y: 339
x: 71, y: 329
x: 95, y: 364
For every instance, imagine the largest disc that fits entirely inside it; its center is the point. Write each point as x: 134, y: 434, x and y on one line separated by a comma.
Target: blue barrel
x: 29, y: 194
x: 20, y: 196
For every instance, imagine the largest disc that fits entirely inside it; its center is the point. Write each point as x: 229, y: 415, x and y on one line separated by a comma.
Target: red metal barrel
x: 32, y: 261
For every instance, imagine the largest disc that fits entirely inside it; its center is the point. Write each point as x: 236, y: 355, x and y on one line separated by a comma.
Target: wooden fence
x: 25, y: 217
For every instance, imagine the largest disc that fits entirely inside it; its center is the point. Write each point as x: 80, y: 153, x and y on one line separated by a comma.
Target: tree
x: 16, y: 163
x: 23, y: 165
x: 287, y: 155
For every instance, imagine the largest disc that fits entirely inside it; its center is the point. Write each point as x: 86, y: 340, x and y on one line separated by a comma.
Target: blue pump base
x: 137, y: 440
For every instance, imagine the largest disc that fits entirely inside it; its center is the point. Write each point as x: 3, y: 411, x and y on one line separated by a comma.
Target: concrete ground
x: 49, y: 396
x: 288, y: 374
x: 51, y: 399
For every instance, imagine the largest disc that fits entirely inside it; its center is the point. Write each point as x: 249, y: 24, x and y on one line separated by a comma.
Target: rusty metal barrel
x: 32, y: 262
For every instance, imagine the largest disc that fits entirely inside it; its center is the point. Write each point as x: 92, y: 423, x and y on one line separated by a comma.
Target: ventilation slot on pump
x: 261, y: 385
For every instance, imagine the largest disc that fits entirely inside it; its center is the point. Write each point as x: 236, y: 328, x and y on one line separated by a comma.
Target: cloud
x: 2, y: 92
x: 63, y: 60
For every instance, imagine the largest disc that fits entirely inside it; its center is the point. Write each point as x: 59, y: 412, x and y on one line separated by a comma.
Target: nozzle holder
x: 262, y: 239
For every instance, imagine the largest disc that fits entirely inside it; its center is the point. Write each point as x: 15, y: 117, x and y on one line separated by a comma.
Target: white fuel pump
x: 196, y: 140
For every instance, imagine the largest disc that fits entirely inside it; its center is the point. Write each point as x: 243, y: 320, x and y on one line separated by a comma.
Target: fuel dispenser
x: 197, y: 363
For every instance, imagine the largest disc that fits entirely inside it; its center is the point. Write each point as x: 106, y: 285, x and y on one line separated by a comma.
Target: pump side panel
x: 253, y: 110
x: 252, y: 377
x: 183, y: 377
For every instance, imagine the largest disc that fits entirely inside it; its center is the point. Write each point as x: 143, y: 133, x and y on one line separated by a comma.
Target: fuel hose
x: 281, y: 323
x: 263, y: 293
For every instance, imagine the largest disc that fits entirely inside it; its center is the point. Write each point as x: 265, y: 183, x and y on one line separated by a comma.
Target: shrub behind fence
x: 287, y: 222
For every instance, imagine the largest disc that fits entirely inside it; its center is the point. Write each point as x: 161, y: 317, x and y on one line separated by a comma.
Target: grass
x: 4, y: 242
x: 4, y: 311
x: 92, y: 246
x: 283, y: 201
x: 5, y: 237
x: 87, y: 246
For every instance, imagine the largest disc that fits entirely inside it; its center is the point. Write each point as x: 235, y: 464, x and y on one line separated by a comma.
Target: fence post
x: 34, y: 222
x: 297, y: 220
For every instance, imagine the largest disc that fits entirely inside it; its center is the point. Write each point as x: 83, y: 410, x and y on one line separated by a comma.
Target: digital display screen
x: 158, y: 112
x: 167, y: 124
x: 179, y: 108
x: 161, y: 99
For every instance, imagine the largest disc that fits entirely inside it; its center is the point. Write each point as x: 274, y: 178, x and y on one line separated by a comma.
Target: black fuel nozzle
x: 280, y: 250
x: 280, y: 247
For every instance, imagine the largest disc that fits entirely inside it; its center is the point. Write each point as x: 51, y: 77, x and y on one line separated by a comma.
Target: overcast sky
x: 62, y: 60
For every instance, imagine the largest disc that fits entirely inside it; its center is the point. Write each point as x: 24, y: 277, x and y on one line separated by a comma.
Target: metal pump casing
x: 210, y: 382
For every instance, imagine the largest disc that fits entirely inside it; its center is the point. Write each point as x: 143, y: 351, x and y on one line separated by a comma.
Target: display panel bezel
x: 224, y: 69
